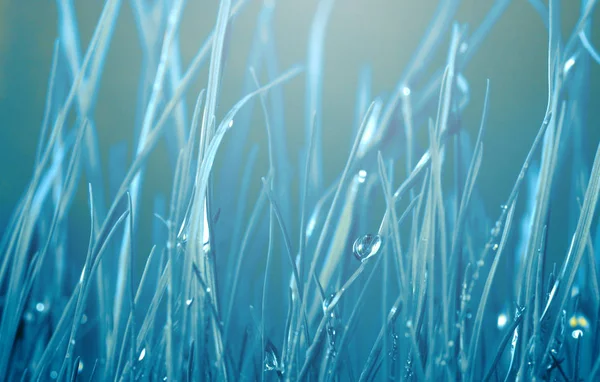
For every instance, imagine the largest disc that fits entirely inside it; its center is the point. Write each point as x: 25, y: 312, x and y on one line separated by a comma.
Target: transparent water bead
x: 366, y: 246
x: 271, y: 359
x: 362, y: 176
x: 327, y: 302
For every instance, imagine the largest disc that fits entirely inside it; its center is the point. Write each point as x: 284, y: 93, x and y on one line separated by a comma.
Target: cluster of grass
x: 226, y: 295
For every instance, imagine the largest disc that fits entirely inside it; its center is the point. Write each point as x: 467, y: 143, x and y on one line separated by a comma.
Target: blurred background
x: 379, y: 33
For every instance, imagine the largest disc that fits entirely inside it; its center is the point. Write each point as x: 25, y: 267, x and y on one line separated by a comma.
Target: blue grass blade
x: 117, y: 155
x: 314, y: 90
x: 214, y: 71
x: 476, y: 336
x: 363, y: 96
x: 233, y: 159
x: 149, y: 116
x: 51, y: 102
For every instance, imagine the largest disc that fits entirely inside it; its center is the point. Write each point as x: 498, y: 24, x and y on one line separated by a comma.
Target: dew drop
x: 577, y: 333
x: 327, y: 302
x: 495, y: 247
x: 502, y: 321
x: 406, y: 91
x: 568, y: 65
x: 189, y: 301
x: 366, y: 246
x: 271, y: 359
x: 142, y: 354
x: 231, y: 123
x: 80, y: 367
x: 362, y: 176
x: 84, y: 319
x: 40, y: 307
x: 53, y: 374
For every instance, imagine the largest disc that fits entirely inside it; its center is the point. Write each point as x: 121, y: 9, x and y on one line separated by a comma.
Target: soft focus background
x: 381, y: 33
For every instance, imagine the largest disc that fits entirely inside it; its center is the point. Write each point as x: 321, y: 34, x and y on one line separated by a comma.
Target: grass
x: 231, y: 295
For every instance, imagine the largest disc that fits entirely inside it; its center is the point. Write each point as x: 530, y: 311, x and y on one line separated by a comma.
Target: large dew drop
x: 366, y: 246
x: 271, y: 358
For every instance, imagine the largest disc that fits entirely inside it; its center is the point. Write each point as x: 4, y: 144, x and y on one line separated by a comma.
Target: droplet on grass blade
x: 502, y: 320
x: 271, y: 358
x: 362, y: 176
x: 327, y: 302
x: 366, y: 246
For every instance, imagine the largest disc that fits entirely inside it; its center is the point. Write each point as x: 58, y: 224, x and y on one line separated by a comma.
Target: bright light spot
x: 231, y: 123
x: 578, y: 333
x: 406, y: 91
x: 362, y: 176
x: 142, y: 354
x: 573, y: 321
x: 40, y: 307
x: 569, y: 64
x: 583, y: 322
x: 502, y: 320
x: 574, y: 291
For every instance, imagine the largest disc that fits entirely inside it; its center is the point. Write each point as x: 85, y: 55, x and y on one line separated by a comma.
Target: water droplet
x: 84, y: 319
x: 480, y: 263
x: 80, y: 367
x: 463, y: 47
x: 366, y: 246
x: 495, y: 247
x: 362, y: 176
x: 327, y: 302
x: 406, y: 91
x: 208, y: 290
x: 40, y: 307
x: 271, y: 359
x: 577, y: 333
x: 450, y: 344
x: 189, y: 301
x: 231, y: 123
x: 53, y: 374
x: 142, y: 354
x: 568, y: 65
x: 73, y: 342
x: 496, y: 230
x: 502, y: 321
x: 503, y: 207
